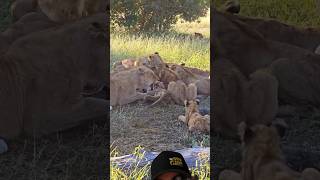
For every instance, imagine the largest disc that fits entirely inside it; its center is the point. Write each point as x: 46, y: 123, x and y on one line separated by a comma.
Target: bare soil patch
x: 155, y: 129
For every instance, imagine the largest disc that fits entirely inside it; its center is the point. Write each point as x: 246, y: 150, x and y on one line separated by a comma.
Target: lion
x: 238, y: 98
x: 196, y: 71
x: 156, y: 63
x: 202, y: 83
x: 176, y: 93
x: 262, y: 158
x: 20, y: 8
x: 127, y: 64
x: 167, y: 75
x: 249, y: 50
x: 42, y: 81
x: 198, y: 35
x: 64, y: 11
x: 131, y: 85
x: 30, y: 23
x: 193, y: 118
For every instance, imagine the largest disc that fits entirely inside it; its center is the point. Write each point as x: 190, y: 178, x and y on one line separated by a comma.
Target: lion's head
x: 156, y: 63
x: 260, y: 140
x: 146, y: 79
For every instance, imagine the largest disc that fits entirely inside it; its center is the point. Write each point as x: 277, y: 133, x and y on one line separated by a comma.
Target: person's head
x: 169, y: 165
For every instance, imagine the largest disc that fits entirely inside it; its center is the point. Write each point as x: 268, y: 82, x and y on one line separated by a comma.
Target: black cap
x: 169, y: 161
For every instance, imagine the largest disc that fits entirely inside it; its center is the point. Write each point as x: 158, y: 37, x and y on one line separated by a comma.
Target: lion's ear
x: 156, y: 53
x: 182, y: 64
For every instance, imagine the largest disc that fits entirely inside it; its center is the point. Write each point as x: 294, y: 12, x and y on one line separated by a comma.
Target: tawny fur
x: 202, y: 83
x: 194, y: 120
x: 262, y: 157
x: 131, y: 85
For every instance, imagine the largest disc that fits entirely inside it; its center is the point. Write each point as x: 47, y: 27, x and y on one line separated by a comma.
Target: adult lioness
x: 131, y: 85
x: 193, y: 118
x: 43, y: 74
x: 262, y: 157
x: 202, y: 83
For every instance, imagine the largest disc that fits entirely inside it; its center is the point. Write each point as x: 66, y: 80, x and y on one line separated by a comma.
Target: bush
x: 154, y: 15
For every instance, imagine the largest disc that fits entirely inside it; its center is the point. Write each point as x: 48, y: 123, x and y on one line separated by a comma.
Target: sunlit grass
x: 202, y: 25
x: 195, y: 53
x: 202, y: 169
x: 294, y: 12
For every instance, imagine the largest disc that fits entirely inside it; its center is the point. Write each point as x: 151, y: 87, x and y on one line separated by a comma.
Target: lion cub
x: 127, y: 64
x: 262, y: 157
x: 176, y: 93
x: 132, y: 85
x: 202, y: 83
x: 194, y: 120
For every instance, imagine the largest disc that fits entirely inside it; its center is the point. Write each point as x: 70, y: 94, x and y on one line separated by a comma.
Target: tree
x: 155, y: 15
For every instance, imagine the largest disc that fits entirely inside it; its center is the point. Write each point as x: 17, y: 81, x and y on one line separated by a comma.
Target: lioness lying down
x: 131, y: 85
x: 262, y: 158
x: 193, y: 118
x: 42, y: 76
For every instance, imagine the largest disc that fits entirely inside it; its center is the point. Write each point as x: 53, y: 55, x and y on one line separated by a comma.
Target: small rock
x: 3, y: 146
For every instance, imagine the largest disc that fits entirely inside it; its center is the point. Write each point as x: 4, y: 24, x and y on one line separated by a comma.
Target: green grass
x: 295, y: 12
x: 195, y: 53
x: 174, y: 47
x: 202, y: 169
x: 5, y: 18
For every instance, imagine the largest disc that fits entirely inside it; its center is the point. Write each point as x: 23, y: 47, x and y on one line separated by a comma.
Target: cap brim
x: 172, y: 170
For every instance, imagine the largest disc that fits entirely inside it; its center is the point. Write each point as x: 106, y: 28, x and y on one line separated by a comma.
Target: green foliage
x: 5, y: 18
x: 154, y: 15
x: 295, y: 12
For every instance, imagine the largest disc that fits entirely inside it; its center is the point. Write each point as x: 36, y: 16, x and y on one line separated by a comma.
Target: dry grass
x: 155, y: 129
x: 76, y: 154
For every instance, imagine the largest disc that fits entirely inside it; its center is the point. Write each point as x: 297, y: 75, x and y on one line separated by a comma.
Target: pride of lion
x: 159, y: 82
x: 260, y: 65
x: 51, y: 70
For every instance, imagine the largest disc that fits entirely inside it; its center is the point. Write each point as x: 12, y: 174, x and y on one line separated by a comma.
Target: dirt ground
x: 300, y: 145
x: 155, y: 129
